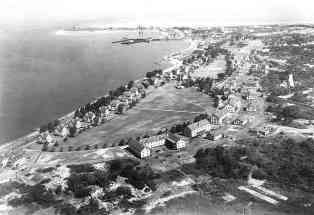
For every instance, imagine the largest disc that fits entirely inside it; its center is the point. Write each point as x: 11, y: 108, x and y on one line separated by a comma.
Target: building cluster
x: 92, y: 114
x: 144, y: 148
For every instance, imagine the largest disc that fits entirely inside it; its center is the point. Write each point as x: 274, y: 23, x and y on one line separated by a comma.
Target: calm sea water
x: 44, y: 76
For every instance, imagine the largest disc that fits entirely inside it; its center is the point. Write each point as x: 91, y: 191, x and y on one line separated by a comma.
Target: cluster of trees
x: 222, y: 162
x: 79, y: 184
x: 85, y: 175
x: 214, y: 50
x: 103, y: 101
x: 80, y: 181
x: 91, y: 107
x: 56, y: 147
x: 136, y: 175
x: 153, y: 73
x: 288, y: 113
x: 204, y: 84
x: 229, y: 64
x: 34, y: 194
x: 288, y: 162
x: 179, y: 128
x: 50, y: 126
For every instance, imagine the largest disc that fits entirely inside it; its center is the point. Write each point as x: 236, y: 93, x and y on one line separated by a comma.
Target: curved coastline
x: 29, y: 138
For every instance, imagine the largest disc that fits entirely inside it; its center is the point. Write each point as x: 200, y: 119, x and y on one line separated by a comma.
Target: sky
x: 155, y: 12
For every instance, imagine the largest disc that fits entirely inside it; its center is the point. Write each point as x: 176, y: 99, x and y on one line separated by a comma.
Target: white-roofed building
x: 197, y: 128
x: 139, y: 149
x: 154, y: 141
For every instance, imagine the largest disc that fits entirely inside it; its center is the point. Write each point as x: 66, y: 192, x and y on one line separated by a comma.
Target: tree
x: 66, y: 209
x: 44, y: 147
x: 121, y: 108
x: 72, y: 131
x: 122, y: 142
x: 290, y: 112
x: 130, y: 84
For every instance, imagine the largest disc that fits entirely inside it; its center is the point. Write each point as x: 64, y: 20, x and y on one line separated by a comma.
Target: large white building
x: 154, y: 141
x: 197, y: 128
x: 139, y: 149
x: 176, y: 141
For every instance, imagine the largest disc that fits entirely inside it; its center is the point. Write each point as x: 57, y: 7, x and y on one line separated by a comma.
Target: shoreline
x: 28, y: 138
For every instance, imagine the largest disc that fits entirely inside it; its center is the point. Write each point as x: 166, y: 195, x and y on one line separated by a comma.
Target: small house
x: 134, y: 91
x: 154, y: 141
x: 214, y: 119
x: 138, y: 149
x: 230, y: 108
x: 239, y: 122
x: 196, y: 128
x: 175, y: 141
x: 104, y: 110
x: 114, y: 104
x: 264, y: 131
x: 122, y: 108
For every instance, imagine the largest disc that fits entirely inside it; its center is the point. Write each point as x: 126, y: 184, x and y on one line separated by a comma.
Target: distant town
x: 231, y: 121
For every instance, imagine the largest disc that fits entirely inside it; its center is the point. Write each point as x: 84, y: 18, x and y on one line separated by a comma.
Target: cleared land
x: 161, y: 108
x: 212, y: 70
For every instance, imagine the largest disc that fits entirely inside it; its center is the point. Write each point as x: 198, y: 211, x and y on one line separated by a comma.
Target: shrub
x: 66, y: 209
x: 44, y: 148
x: 35, y: 194
x: 80, y: 168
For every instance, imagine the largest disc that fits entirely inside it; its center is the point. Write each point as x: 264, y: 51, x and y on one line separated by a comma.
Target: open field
x: 212, y: 70
x: 161, y: 108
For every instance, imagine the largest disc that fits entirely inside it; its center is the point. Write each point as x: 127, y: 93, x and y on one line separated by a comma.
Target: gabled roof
x: 173, y: 137
x: 153, y: 139
x: 135, y: 145
x: 198, y: 124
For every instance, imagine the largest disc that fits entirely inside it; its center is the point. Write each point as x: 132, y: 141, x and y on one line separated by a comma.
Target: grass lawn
x: 162, y: 107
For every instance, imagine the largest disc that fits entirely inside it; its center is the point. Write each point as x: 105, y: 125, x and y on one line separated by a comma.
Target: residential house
x: 196, y: 128
x: 230, y: 108
x: 264, y: 131
x: 128, y: 94
x: 139, y: 149
x: 135, y: 91
x: 156, y: 81
x: 124, y: 100
x: 176, y: 141
x: 121, y: 108
x: 239, y: 122
x: 154, y: 141
x: 114, y: 105
x: 214, y: 119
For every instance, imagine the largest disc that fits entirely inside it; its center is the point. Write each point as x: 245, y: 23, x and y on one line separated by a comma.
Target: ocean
x: 45, y: 74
